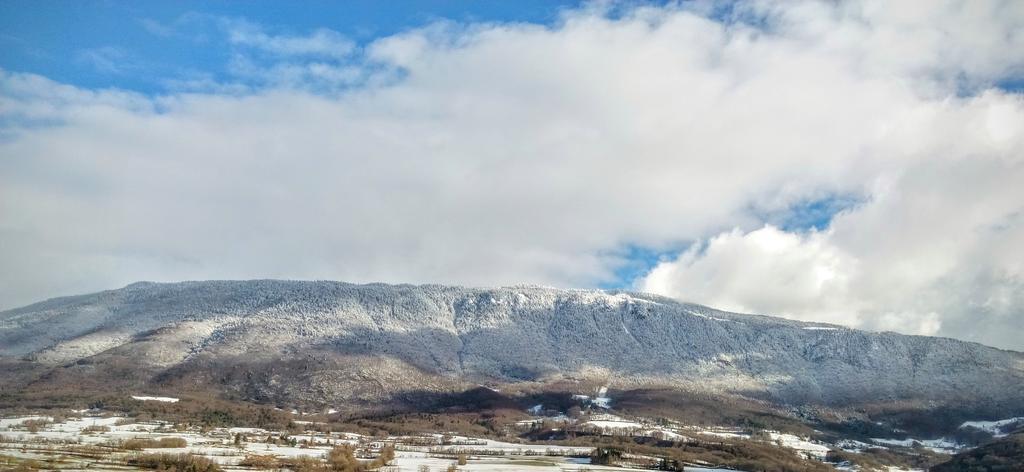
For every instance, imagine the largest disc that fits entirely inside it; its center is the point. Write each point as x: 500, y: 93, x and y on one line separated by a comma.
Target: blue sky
x: 152, y: 41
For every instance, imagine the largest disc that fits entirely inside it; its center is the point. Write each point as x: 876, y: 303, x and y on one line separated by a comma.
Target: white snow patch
x: 851, y: 445
x: 611, y: 422
x: 894, y: 442
x: 706, y: 317
x: 602, y: 400
x: 803, y: 445
x: 938, y: 445
x: 6, y: 423
x: 726, y: 434
x: 614, y: 424
x: 155, y: 399
x: 941, y: 445
x: 994, y: 427
x: 666, y: 434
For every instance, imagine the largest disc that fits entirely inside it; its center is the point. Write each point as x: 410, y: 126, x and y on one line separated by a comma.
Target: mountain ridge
x: 352, y: 343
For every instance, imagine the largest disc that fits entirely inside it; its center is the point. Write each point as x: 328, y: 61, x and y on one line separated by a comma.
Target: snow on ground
x: 216, y: 444
x: 665, y: 434
x: 411, y: 461
x: 850, y: 445
x: 803, y: 445
x: 994, y: 427
x: 701, y: 315
x: 77, y: 425
x: 608, y: 424
x: 155, y: 399
x: 942, y: 445
x: 618, y: 424
x: 722, y: 433
x: 6, y: 423
x: 485, y: 454
x: 284, y: 451
x: 306, y: 422
x: 938, y: 445
x: 602, y: 400
x: 894, y: 442
x: 492, y: 445
x: 75, y: 431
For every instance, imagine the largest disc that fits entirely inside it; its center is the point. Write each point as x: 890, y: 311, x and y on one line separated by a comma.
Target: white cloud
x: 512, y: 153
x: 107, y: 59
x: 936, y: 250
x: 766, y: 270
x: 321, y: 42
x: 157, y: 28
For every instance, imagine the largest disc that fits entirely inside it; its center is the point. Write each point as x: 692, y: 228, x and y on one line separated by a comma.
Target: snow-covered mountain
x: 334, y: 342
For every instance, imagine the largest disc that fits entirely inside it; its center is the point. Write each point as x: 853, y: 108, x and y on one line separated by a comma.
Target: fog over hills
x: 338, y: 343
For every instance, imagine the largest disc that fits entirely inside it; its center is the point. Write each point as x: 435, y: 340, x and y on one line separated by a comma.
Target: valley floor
x: 104, y: 443
x: 548, y: 440
x: 98, y: 441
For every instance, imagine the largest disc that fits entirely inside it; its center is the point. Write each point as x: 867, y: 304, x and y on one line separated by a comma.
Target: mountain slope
x: 1006, y: 454
x: 329, y: 342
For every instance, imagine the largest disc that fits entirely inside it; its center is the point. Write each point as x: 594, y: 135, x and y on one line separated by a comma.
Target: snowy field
x: 218, y: 444
x: 39, y: 438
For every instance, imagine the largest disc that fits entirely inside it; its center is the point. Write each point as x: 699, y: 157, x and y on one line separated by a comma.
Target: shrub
x: 342, y: 458
x: 387, y: 454
x: 605, y: 456
x: 463, y: 459
x: 303, y: 464
x: 148, y: 443
x: 33, y: 426
x: 95, y: 429
x: 259, y: 462
x: 14, y: 464
x: 861, y: 461
x: 174, y: 462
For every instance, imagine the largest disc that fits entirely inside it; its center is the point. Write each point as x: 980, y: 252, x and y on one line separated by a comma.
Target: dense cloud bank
x: 488, y: 154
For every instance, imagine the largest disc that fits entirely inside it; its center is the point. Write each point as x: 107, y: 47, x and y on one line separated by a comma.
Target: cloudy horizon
x: 858, y: 163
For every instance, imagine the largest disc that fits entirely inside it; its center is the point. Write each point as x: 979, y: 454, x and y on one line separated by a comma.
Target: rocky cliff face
x: 336, y: 342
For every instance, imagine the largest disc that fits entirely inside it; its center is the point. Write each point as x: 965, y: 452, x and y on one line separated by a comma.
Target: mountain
x: 331, y: 343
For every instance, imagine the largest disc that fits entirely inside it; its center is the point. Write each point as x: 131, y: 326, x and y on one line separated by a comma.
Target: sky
x: 858, y: 163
